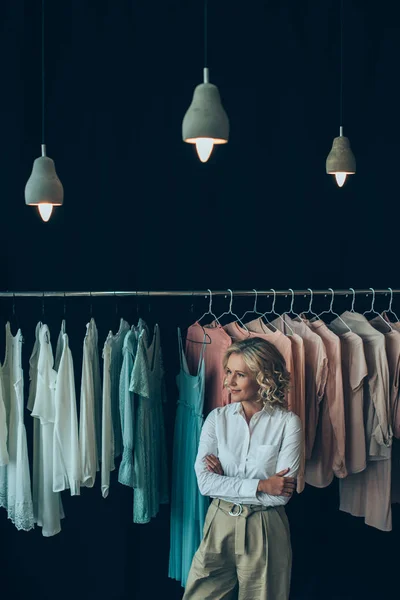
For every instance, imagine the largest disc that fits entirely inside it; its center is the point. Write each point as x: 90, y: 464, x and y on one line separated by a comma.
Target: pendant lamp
x: 341, y: 161
x: 205, y: 122
x: 43, y: 188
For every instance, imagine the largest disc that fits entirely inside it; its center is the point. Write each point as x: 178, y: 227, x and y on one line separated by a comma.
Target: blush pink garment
x: 395, y: 404
x: 368, y: 494
x: 299, y: 404
x: 215, y: 392
x: 354, y: 370
x: 281, y: 342
x: 328, y: 455
x: 316, y: 370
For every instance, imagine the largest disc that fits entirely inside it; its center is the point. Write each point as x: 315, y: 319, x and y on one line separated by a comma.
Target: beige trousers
x: 245, y: 557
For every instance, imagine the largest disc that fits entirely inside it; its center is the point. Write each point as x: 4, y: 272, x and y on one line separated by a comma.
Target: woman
x: 248, y: 458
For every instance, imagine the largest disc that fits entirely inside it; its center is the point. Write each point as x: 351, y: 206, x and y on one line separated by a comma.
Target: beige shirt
x: 258, y: 329
x: 378, y: 429
x: 392, y: 339
x: 316, y: 370
x: 299, y: 404
x: 328, y: 456
x: 354, y: 371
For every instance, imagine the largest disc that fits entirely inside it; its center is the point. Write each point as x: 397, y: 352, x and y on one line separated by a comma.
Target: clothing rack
x: 270, y: 292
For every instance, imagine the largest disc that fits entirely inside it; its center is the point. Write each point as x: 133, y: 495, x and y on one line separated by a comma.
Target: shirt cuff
x: 249, y: 488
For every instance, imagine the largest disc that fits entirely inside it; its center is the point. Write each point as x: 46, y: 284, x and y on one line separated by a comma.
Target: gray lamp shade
x: 341, y: 158
x: 43, y: 186
x: 206, y: 117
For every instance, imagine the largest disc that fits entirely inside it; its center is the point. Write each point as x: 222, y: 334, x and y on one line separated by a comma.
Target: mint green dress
x: 188, y: 506
x: 150, y: 453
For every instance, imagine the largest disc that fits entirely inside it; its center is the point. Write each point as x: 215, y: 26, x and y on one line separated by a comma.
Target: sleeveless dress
x: 188, y: 506
x: 15, y: 481
x: 150, y: 455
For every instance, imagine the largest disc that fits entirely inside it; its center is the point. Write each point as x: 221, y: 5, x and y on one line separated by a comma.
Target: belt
x: 241, y: 512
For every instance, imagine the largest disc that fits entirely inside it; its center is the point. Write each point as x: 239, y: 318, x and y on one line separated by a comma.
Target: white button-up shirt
x: 248, y: 453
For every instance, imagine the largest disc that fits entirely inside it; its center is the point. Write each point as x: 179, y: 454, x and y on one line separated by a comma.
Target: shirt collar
x: 239, y: 409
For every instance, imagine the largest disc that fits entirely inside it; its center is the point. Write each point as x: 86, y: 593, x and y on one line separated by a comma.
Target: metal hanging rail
x: 270, y: 292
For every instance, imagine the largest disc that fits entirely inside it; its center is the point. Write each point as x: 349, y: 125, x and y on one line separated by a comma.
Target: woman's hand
x: 278, y: 485
x: 213, y: 464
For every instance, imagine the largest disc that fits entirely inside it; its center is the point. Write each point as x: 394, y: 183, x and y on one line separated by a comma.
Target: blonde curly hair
x: 268, y: 366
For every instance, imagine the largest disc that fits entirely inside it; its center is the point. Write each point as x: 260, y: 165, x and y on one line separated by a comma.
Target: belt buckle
x: 239, y: 512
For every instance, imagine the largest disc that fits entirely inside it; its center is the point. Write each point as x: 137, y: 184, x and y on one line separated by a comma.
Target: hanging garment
x: 117, y: 343
x: 3, y: 427
x: 396, y: 411
x: 377, y: 401
x: 215, y: 392
x: 368, y: 494
x: 107, y: 432
x: 354, y: 370
x: 33, y: 374
x: 126, y: 474
x: 47, y: 504
x: 66, y: 454
x: 188, y: 506
x: 299, y: 400
x: 392, y: 341
x: 59, y: 346
x: 90, y: 403
x: 150, y: 454
x: 316, y: 372
x: 277, y: 338
x: 328, y: 454
x: 15, y: 481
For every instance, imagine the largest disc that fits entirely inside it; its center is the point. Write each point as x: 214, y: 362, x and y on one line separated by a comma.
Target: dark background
x: 142, y: 212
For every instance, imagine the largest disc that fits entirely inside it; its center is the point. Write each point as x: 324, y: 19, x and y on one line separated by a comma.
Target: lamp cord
x: 43, y: 73
x: 341, y: 63
x: 205, y: 33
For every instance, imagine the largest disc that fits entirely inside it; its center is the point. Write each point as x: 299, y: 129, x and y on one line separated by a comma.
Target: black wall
x: 141, y: 212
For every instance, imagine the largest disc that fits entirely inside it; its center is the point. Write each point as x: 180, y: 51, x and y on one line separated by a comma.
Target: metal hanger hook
x: 231, y: 300
x: 210, y: 302
x: 292, y: 302
x: 274, y: 300
x: 373, y: 300
x: 65, y: 305
x: 13, y: 306
x: 391, y: 299
x: 311, y: 300
x: 255, y: 301
x: 332, y: 299
x: 354, y: 298
x: 43, y: 304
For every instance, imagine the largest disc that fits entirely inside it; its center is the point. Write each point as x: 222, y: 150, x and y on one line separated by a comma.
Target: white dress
x: 15, y: 481
x: 89, y: 407
x: 66, y: 455
x: 48, y: 507
x: 107, y: 441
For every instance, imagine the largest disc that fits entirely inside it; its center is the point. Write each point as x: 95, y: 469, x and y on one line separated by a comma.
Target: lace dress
x: 15, y: 482
x: 150, y: 457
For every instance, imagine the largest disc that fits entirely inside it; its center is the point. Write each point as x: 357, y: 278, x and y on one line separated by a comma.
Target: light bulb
x: 340, y: 178
x: 204, y: 148
x: 45, y: 211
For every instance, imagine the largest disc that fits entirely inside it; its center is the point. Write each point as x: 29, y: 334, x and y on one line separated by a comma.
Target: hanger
x: 389, y: 310
x: 207, y: 339
x: 254, y: 311
x: 90, y: 305
x: 354, y: 299
x: 14, y: 317
x: 330, y: 311
x: 273, y: 312
x: 373, y: 311
x: 310, y: 310
x: 291, y: 309
x: 229, y: 312
x: 43, y: 312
